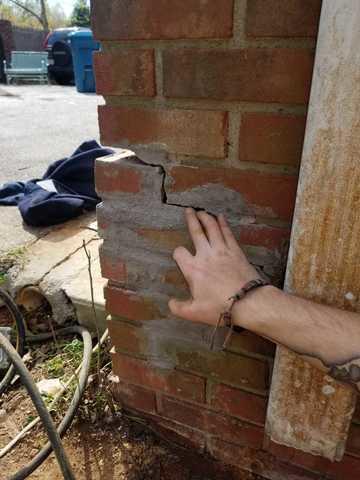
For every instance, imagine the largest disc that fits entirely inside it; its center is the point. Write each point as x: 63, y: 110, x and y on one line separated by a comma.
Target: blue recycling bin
x: 82, y: 46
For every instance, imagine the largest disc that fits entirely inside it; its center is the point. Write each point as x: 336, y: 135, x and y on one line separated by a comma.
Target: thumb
x: 181, y: 308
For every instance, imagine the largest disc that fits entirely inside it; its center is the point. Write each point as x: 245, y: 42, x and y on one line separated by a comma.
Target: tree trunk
x: 44, y: 17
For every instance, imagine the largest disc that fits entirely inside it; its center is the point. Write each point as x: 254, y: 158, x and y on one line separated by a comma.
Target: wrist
x: 258, y: 309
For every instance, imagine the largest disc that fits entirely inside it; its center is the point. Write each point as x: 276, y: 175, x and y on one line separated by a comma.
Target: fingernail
x: 189, y: 210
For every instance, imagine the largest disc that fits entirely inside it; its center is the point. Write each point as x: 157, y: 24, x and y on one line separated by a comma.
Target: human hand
x: 217, y: 271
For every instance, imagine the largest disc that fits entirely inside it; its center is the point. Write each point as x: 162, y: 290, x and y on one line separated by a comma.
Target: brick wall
x: 212, y: 98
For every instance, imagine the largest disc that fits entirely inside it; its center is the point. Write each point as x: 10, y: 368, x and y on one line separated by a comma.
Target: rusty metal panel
x: 308, y: 410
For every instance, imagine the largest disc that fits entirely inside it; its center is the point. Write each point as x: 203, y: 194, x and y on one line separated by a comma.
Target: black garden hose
x: 70, y: 414
x: 17, y: 365
x: 46, y: 419
x: 20, y: 340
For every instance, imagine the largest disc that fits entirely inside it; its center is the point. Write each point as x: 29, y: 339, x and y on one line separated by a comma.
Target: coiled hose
x: 40, y: 406
x: 54, y: 434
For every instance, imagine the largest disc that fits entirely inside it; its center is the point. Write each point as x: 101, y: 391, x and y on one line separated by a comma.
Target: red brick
x: 112, y: 268
x: 241, y: 371
x: 156, y: 19
x: 294, y: 456
x: 271, y: 195
x: 126, y: 337
x: 111, y: 177
x: 253, y: 75
x: 227, y: 428
x: 283, y: 18
x: 165, y: 238
x: 347, y: 469
x: 173, y: 382
x: 239, y: 403
x: 273, y: 238
x: 250, y: 343
x: 133, y: 396
x: 269, y: 138
x: 259, y: 462
x: 188, y: 132
x: 125, y: 72
x: 127, y: 304
x: 180, y: 434
x: 356, y: 416
x: 353, y: 441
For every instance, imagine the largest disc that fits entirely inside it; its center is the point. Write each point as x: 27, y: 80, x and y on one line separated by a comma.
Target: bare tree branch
x: 42, y: 18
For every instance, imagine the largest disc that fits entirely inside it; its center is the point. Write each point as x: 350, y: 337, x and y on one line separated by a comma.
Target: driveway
x: 38, y: 124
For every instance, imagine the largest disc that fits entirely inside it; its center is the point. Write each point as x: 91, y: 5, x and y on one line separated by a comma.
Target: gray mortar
x: 193, y: 336
x: 155, y: 207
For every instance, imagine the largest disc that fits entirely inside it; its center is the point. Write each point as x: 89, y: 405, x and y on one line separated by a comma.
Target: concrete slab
x: 14, y: 233
x: 56, y: 264
x: 52, y: 250
x: 57, y: 283
x: 78, y: 290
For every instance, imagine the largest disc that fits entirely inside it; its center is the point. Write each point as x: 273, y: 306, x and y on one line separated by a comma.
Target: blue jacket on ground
x: 73, y: 182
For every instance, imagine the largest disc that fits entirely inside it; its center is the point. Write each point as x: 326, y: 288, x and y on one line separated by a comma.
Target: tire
x: 62, y: 68
x: 63, y: 80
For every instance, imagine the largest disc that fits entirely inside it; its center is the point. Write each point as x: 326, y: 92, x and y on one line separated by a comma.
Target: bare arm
x: 327, y: 337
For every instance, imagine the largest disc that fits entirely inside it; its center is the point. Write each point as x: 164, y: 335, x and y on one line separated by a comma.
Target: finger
x: 195, y: 229
x: 180, y: 308
x: 182, y: 255
x: 183, y: 258
x: 227, y: 233
x: 212, y: 229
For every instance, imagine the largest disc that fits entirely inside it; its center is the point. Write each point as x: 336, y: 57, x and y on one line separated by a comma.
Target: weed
x: 55, y: 367
x: 67, y: 358
x: 7, y: 261
x: 74, y: 350
x: 29, y: 419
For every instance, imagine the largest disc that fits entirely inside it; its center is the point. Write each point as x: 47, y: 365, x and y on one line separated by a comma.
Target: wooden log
x: 308, y: 410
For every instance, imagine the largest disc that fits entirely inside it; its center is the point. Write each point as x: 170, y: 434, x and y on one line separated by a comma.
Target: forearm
x: 329, y: 338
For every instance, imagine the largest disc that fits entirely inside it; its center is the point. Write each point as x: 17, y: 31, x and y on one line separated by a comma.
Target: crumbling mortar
x: 159, y: 73
x: 160, y: 103
x: 239, y: 24
x: 154, y: 350
x: 235, y: 42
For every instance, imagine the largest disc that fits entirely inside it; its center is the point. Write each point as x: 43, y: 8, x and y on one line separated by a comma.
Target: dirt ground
x: 121, y: 450
x: 100, y: 445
